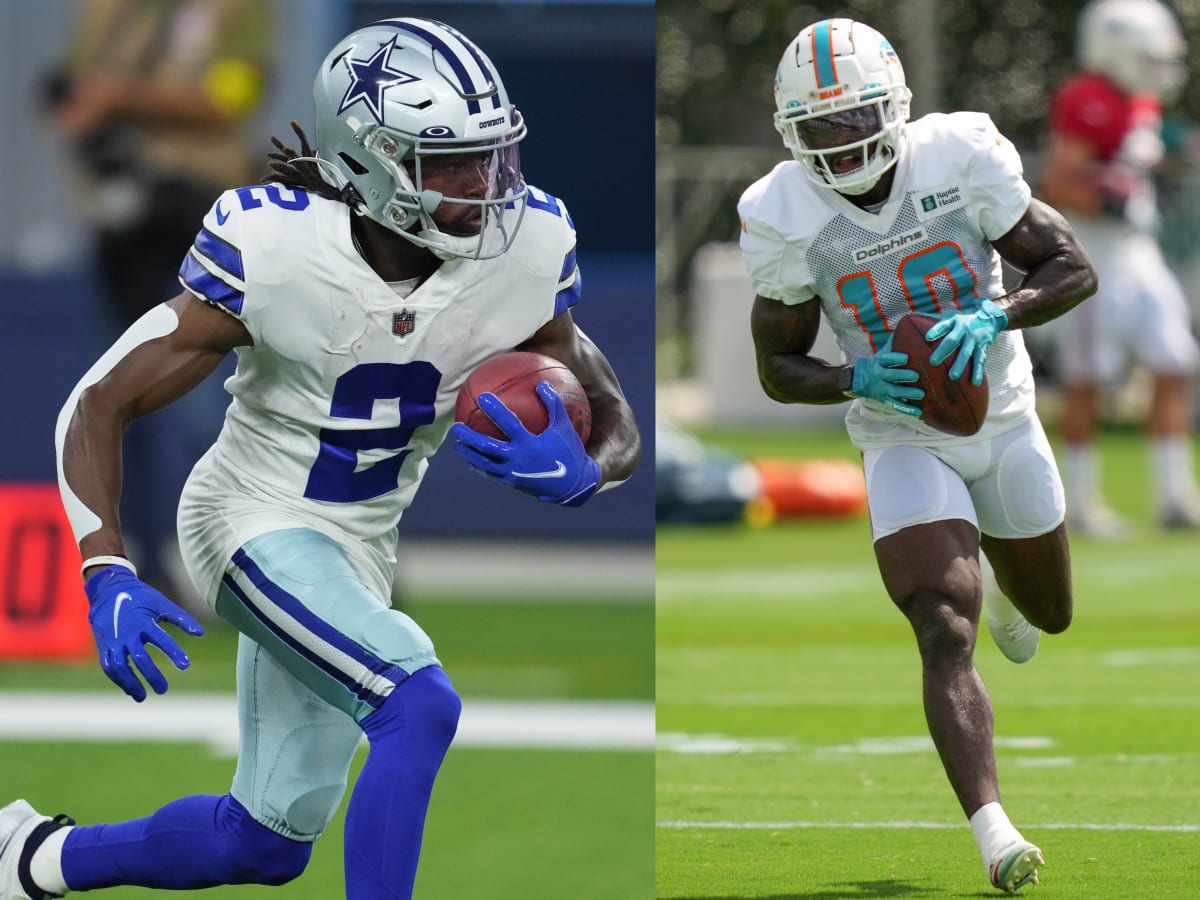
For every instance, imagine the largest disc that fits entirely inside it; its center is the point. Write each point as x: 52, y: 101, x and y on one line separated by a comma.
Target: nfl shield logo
x: 403, y: 322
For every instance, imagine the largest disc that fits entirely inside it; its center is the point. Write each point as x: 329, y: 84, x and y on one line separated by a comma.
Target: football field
x: 793, y: 758
x: 547, y: 792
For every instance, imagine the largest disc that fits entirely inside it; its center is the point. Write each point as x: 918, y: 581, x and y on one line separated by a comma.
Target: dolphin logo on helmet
x: 842, y: 68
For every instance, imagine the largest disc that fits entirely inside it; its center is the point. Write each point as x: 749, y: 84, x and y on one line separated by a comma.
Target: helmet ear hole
x: 355, y: 166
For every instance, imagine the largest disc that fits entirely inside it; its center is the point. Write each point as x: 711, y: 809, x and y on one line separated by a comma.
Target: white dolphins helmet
x: 404, y: 90
x: 846, y: 72
x: 1137, y: 43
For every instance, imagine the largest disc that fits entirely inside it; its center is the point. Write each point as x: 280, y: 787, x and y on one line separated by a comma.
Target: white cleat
x: 1016, y: 867
x: 1182, y: 515
x: 1099, y: 523
x: 17, y: 822
x: 1016, y: 638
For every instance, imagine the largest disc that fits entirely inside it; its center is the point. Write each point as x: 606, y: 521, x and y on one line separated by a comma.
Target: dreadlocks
x: 290, y: 171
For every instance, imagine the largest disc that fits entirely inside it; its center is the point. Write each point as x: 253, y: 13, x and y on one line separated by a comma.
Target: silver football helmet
x: 1138, y: 44
x: 839, y: 74
x: 395, y: 95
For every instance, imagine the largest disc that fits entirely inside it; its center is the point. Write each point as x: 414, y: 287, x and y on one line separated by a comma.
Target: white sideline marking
x: 798, y: 582
x: 211, y: 719
x: 721, y: 744
x: 1050, y: 826
x: 433, y: 569
x: 712, y: 744
x: 1158, y: 656
x: 1044, y: 762
x: 844, y: 699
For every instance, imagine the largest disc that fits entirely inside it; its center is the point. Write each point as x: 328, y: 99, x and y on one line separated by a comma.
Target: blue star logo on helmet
x: 369, y: 78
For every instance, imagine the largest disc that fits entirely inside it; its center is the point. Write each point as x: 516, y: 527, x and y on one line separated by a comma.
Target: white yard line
x: 1049, y: 826
x: 211, y: 719
x: 792, y: 583
x: 562, y: 572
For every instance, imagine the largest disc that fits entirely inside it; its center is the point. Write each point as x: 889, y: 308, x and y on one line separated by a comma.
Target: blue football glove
x: 124, y: 616
x: 552, y: 466
x: 881, y: 377
x: 971, y: 333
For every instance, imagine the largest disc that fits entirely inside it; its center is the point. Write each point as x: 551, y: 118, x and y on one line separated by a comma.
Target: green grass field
x: 504, y: 823
x: 793, y: 759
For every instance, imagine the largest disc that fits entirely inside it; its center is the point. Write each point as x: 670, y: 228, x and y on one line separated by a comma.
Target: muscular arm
x: 783, y: 338
x: 1058, y: 273
x: 614, y: 444
x: 147, y: 378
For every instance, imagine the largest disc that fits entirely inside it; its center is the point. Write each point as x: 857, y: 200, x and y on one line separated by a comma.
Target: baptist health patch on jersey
x: 957, y: 187
x: 938, y: 201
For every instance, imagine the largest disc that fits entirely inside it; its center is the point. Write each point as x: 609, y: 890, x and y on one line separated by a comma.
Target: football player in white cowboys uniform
x: 358, y: 291
x: 876, y: 218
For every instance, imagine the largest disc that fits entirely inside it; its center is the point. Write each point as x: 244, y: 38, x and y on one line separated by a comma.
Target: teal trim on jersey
x: 823, y: 54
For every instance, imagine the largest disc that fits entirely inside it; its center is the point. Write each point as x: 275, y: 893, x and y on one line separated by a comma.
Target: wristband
x: 107, y: 561
x: 846, y: 382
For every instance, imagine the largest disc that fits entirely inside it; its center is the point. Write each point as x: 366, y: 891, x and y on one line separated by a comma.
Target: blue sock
x: 194, y: 842
x: 409, y: 735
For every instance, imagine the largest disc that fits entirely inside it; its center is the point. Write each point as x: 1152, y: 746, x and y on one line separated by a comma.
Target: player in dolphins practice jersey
x: 358, y: 291
x: 876, y: 218
x: 1105, y: 125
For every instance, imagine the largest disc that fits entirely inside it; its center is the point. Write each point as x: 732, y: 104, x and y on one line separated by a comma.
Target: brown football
x: 953, y: 406
x: 512, y: 377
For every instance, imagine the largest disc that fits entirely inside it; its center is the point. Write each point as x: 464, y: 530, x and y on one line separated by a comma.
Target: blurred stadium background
x: 790, y: 732
x: 544, y: 617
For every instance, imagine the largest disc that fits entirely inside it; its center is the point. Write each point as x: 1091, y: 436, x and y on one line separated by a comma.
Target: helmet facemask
x: 414, y: 163
x: 400, y: 104
x: 841, y: 79
x: 808, y: 133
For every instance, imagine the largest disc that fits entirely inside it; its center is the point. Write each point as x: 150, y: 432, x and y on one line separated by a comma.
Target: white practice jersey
x: 958, y: 186
x: 348, y: 389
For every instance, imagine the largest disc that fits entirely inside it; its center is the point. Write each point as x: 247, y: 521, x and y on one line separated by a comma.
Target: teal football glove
x: 971, y: 333
x: 880, y: 377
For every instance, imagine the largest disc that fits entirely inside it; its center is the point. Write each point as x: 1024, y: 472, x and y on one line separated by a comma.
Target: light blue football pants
x: 318, y: 653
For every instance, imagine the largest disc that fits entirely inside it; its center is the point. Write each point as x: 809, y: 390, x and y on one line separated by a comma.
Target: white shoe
x: 1098, y: 522
x: 1015, y: 867
x: 1183, y: 514
x: 1016, y: 638
x: 18, y: 821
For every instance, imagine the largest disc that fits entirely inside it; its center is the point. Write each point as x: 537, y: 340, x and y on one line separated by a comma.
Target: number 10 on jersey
x: 918, y: 276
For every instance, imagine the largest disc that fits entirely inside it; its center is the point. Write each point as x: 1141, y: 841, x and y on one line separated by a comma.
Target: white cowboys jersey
x: 958, y: 185
x: 348, y: 389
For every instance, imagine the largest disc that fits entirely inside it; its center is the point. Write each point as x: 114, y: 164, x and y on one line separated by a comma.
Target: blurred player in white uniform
x: 876, y: 218
x: 1104, y: 144
x: 358, y: 291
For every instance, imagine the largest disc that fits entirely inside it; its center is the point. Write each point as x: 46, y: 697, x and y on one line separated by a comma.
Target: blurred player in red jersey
x: 1104, y: 144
